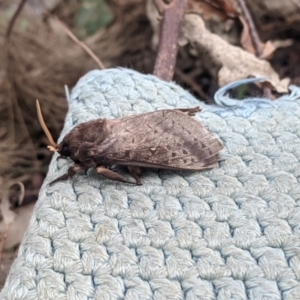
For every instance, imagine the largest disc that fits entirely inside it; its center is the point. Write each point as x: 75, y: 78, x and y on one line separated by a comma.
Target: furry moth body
x: 164, y: 139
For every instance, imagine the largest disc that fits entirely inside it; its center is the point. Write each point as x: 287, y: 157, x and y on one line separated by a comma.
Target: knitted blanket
x: 232, y: 232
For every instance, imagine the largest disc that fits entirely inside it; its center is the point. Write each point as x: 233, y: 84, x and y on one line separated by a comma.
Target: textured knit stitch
x: 228, y: 233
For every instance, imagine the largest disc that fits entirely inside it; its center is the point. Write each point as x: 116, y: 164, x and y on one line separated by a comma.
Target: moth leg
x: 135, y: 173
x: 61, y: 178
x: 190, y: 111
x: 73, y: 170
x: 111, y: 174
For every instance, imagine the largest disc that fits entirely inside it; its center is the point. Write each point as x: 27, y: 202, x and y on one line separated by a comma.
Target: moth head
x: 63, y: 149
x: 53, y: 146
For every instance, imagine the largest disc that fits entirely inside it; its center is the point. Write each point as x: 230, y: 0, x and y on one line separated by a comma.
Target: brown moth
x: 163, y: 139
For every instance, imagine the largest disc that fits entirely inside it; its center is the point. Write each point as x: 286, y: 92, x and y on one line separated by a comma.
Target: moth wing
x: 167, y: 139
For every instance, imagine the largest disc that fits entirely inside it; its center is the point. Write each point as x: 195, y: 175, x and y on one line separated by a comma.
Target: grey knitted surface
x: 228, y: 233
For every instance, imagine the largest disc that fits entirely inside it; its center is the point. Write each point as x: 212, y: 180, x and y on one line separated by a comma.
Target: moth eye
x: 65, y: 151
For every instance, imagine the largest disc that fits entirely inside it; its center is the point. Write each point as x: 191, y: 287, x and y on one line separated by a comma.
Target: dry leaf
x: 268, y: 50
x: 222, y: 9
x: 218, y: 9
x: 246, y: 40
x: 275, y: 18
x: 232, y: 63
x: 206, y: 10
x: 247, y: 43
x: 229, y: 6
x: 282, y: 43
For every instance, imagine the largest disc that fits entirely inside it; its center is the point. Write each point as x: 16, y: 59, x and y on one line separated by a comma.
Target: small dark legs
x: 73, y: 170
x: 111, y: 175
x: 61, y: 178
x: 135, y: 173
x: 190, y: 111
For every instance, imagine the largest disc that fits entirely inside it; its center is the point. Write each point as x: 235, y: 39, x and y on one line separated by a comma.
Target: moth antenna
x: 53, y: 146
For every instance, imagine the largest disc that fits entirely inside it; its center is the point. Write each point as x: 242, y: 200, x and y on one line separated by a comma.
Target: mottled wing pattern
x: 167, y: 139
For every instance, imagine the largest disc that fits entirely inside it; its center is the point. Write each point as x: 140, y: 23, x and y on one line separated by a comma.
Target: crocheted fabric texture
x: 228, y: 233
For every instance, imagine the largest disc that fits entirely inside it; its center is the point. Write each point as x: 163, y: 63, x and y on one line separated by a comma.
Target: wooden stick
x: 81, y: 44
x: 167, y: 50
x: 257, y: 45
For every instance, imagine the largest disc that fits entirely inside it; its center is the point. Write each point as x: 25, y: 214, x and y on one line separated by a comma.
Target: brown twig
x: 14, y: 18
x: 192, y: 83
x: 167, y: 50
x: 257, y: 45
x: 81, y: 44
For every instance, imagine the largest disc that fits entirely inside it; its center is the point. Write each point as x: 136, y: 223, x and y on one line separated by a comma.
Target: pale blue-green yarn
x: 232, y: 232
